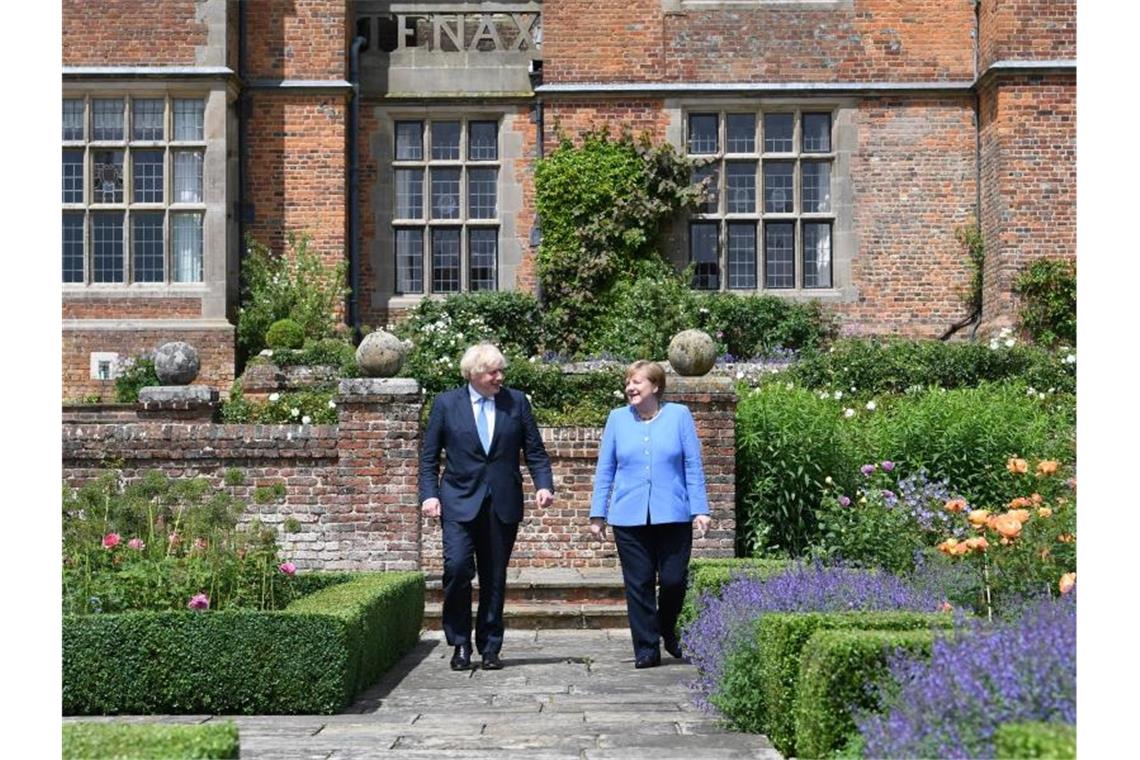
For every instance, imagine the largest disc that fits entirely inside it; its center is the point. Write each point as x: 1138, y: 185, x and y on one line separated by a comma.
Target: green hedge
x: 710, y: 574
x: 1057, y: 741
x: 144, y: 741
x: 757, y: 692
x: 836, y: 671
x: 311, y: 658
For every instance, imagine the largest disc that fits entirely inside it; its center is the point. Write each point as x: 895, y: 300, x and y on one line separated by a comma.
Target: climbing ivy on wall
x: 603, y: 204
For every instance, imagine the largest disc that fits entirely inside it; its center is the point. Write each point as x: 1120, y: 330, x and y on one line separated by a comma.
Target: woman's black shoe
x: 672, y: 646
x: 647, y: 661
x: 461, y: 660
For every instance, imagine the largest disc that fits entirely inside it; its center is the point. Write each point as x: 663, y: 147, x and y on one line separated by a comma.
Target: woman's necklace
x: 641, y: 416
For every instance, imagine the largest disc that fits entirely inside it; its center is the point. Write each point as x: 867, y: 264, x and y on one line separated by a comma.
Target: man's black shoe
x: 672, y: 646
x: 647, y: 661
x: 461, y: 660
x: 491, y: 661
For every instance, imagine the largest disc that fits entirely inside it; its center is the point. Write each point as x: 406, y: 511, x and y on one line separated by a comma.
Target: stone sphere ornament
x: 692, y: 353
x: 176, y: 363
x: 380, y: 354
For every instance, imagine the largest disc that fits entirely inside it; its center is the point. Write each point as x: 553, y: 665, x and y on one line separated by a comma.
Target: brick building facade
x: 849, y: 139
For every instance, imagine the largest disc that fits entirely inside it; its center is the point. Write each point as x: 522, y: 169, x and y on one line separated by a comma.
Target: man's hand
x: 431, y: 507
x: 598, y: 528
x: 543, y: 498
x: 701, y: 523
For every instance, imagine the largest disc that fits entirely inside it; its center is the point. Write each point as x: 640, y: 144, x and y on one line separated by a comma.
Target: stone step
x: 547, y: 615
x: 568, y: 585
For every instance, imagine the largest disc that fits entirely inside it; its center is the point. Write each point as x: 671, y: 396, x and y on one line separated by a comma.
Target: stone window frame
x: 843, y: 240
x: 129, y: 205
x: 509, y: 192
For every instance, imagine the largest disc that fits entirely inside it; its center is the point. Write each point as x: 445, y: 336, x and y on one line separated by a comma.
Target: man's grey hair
x: 482, y: 357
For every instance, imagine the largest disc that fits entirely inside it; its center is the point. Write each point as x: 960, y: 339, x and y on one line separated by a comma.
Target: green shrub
x: 567, y: 398
x: 1022, y: 741
x: 708, y: 575
x: 145, y: 741
x: 334, y: 352
x: 298, y: 286
x: 788, y: 441
x: 756, y: 325
x: 1048, y: 290
x: 135, y: 375
x: 758, y: 689
x: 893, y: 365
x: 309, y: 407
x: 285, y: 333
x: 643, y: 312
x: 311, y: 658
x: 837, y: 673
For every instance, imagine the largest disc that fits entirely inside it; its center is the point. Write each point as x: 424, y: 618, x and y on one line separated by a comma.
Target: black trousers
x: 482, y: 545
x: 652, y: 555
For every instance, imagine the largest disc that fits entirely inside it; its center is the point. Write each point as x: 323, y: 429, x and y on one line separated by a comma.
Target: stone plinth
x: 177, y: 402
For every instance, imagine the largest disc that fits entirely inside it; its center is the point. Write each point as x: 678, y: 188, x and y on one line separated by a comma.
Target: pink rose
x: 111, y: 540
x: 137, y: 544
x: 288, y: 568
x: 174, y: 539
x: 199, y: 602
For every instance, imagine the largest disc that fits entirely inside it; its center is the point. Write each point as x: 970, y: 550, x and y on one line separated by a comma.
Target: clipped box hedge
x: 1025, y: 741
x: 313, y: 657
x: 710, y: 574
x: 836, y: 669
x: 757, y: 692
x: 146, y: 741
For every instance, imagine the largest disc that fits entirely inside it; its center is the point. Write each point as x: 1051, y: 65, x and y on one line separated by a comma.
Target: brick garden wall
x: 353, y: 486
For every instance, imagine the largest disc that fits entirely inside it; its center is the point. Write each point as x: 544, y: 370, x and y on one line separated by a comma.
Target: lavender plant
x: 726, y: 622
x: 983, y: 676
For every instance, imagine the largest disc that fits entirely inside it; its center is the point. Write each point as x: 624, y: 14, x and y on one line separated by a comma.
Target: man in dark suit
x: 482, y: 426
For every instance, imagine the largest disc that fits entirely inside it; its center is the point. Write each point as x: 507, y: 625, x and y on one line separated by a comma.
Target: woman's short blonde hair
x: 653, y: 373
x: 482, y: 357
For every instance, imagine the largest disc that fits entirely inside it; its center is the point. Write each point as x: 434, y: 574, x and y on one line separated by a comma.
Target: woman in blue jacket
x: 649, y: 485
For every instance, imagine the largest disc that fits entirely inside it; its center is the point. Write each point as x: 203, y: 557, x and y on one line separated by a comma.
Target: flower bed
x: 312, y: 657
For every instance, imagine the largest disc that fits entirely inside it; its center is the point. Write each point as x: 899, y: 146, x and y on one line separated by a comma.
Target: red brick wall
x: 354, y: 486
x: 913, y: 182
x: 296, y: 173
x: 297, y: 39
x: 215, y: 350
x: 132, y: 308
x: 131, y: 33
x: 1029, y: 183
x: 633, y: 40
x: 1017, y: 30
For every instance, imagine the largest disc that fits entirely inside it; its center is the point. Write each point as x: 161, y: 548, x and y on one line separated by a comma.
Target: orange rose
x: 977, y: 517
x: 1044, y: 512
x: 1068, y: 580
x: 1007, y: 525
x: 1046, y: 467
x: 1017, y: 466
x: 1035, y: 499
x: 960, y: 549
x: 977, y: 543
x: 1021, y: 514
x: 1066, y: 538
x: 1019, y: 502
x: 956, y: 505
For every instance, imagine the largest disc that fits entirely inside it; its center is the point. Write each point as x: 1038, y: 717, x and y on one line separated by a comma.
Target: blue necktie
x: 481, y: 424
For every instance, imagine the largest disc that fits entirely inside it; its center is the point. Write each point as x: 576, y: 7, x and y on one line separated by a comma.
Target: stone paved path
x: 562, y: 694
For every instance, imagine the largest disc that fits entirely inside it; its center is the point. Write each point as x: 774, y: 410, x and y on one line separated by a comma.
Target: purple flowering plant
x: 986, y: 674
x: 726, y: 622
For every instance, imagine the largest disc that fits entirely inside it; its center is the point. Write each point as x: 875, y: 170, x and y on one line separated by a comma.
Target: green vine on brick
x: 1048, y: 290
x: 603, y: 205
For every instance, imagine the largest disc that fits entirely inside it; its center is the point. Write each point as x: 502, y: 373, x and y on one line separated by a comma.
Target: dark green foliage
x: 758, y: 690
x: 285, y: 333
x: 886, y: 365
x: 970, y: 236
x: 788, y: 440
x: 333, y: 352
x: 311, y: 658
x: 1048, y: 290
x: 135, y: 376
x: 747, y: 326
x: 836, y: 671
x: 1023, y: 741
x: 602, y: 206
x: 312, y: 403
x: 708, y: 575
x: 566, y: 398
x: 146, y: 741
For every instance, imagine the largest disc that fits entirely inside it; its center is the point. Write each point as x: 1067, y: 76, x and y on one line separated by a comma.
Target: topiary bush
x: 1048, y: 290
x: 145, y: 741
x: 285, y: 333
x: 708, y: 575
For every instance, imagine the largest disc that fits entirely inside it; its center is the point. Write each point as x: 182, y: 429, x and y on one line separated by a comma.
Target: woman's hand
x: 598, y: 528
x: 702, y: 523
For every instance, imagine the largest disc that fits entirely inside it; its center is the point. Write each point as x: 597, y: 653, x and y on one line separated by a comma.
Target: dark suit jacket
x: 469, y: 475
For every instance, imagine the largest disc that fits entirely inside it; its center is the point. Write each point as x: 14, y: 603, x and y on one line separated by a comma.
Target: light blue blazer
x: 649, y: 472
